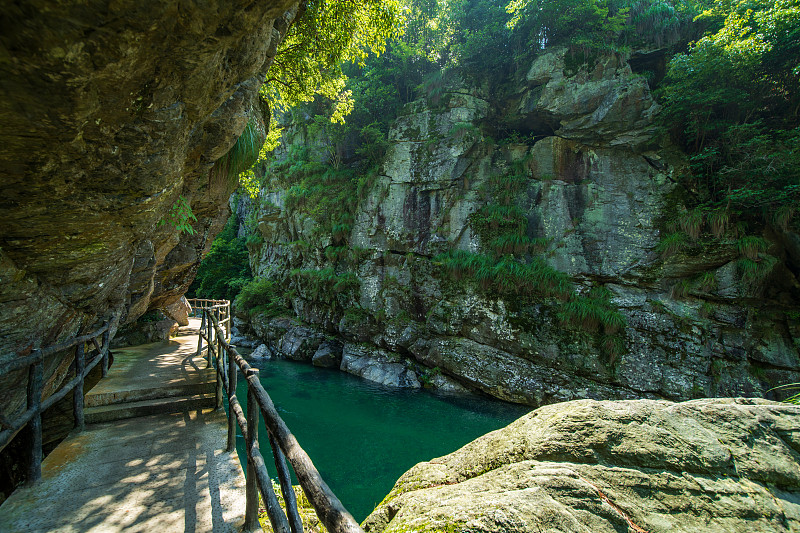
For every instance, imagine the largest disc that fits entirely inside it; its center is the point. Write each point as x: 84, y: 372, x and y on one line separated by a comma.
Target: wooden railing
x: 35, y: 383
x: 228, y: 363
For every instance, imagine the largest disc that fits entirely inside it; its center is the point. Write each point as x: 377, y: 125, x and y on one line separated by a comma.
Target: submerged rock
x: 713, y: 465
x: 244, y: 342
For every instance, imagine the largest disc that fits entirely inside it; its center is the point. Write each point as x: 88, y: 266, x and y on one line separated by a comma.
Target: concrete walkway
x: 157, y: 473
x: 154, y: 378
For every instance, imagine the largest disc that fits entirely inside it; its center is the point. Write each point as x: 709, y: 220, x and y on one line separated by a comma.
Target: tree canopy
x: 732, y: 101
x: 326, y: 35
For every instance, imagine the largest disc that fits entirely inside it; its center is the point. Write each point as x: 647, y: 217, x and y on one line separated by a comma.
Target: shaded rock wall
x: 702, y: 466
x: 598, y: 185
x: 111, y: 113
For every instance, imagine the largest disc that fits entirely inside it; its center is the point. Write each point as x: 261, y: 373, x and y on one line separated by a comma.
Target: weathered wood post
x: 285, y: 478
x: 256, y: 466
x: 219, y: 368
x: 251, y: 490
x: 77, y: 394
x: 105, y: 350
x: 232, y: 381
x: 202, y: 331
x: 35, y: 381
x: 228, y: 324
x: 210, y: 331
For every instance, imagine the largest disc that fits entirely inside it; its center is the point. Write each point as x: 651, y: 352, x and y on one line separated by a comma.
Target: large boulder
x: 711, y: 465
x: 179, y: 311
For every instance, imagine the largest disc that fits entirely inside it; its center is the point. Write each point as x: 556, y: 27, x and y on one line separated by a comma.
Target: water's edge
x: 362, y: 436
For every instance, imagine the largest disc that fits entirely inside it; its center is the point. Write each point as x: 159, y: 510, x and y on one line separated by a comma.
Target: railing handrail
x: 35, y: 384
x: 328, y: 507
x: 12, y: 362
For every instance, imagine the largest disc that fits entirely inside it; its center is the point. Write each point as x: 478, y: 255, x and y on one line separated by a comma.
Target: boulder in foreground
x: 712, y: 465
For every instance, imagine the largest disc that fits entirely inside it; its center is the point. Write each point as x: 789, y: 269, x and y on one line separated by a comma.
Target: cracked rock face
x: 704, y: 466
x: 112, y: 114
x: 598, y: 185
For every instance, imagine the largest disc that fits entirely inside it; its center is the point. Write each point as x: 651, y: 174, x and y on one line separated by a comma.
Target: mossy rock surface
x: 587, y: 466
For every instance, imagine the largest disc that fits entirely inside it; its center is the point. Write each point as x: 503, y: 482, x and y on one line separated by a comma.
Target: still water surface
x: 362, y: 436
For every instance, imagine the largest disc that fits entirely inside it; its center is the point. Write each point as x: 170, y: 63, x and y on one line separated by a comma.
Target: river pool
x: 362, y: 436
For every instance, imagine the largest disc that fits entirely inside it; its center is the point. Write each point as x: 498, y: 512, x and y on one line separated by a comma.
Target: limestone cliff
x: 581, y: 168
x: 645, y: 466
x: 112, y: 117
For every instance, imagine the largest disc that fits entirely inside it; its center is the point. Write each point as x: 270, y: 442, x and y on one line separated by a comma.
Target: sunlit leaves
x: 326, y: 35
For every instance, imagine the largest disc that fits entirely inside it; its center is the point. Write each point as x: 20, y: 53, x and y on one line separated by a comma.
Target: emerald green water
x: 362, y: 436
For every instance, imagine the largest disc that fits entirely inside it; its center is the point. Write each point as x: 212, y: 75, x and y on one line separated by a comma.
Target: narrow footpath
x: 151, y: 458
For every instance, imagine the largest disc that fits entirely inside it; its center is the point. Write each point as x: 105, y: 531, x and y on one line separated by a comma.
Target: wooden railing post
x: 211, y: 332
x: 35, y: 382
x: 219, y: 369
x: 228, y: 323
x: 77, y: 393
x: 232, y: 382
x: 201, y: 332
x: 105, y: 349
x: 328, y: 507
x: 251, y: 505
x: 285, y: 479
x: 257, y: 469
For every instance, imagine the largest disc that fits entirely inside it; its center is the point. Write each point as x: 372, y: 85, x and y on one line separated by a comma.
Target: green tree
x: 325, y: 35
x: 226, y: 268
x: 602, y: 25
x: 732, y: 102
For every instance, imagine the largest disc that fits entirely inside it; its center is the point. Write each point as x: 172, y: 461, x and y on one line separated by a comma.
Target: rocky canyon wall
x: 112, y: 117
x: 421, y: 286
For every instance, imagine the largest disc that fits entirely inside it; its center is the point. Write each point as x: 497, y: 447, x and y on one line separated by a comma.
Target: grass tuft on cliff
x: 243, y: 154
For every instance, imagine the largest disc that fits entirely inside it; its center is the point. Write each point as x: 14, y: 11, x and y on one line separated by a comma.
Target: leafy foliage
x: 325, y: 35
x: 508, y: 276
x: 791, y: 387
x: 244, y: 153
x: 180, y: 216
x: 601, y: 25
x: 732, y: 102
x: 324, y: 285
x: 262, y: 296
x: 226, y: 268
x: 593, y: 312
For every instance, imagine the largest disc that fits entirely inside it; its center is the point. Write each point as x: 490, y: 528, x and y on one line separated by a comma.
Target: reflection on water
x: 362, y: 436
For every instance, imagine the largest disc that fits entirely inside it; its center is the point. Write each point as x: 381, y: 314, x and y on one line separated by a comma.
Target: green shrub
x: 508, y: 276
x: 795, y: 398
x: 254, y: 240
x: 755, y: 272
x: 324, y: 285
x: 226, y: 267
x: 680, y: 289
x: 718, y: 220
x: 262, y: 296
x: 513, y: 243
x: 592, y: 312
x: 692, y: 223
x: 498, y: 219
x: 707, y: 281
